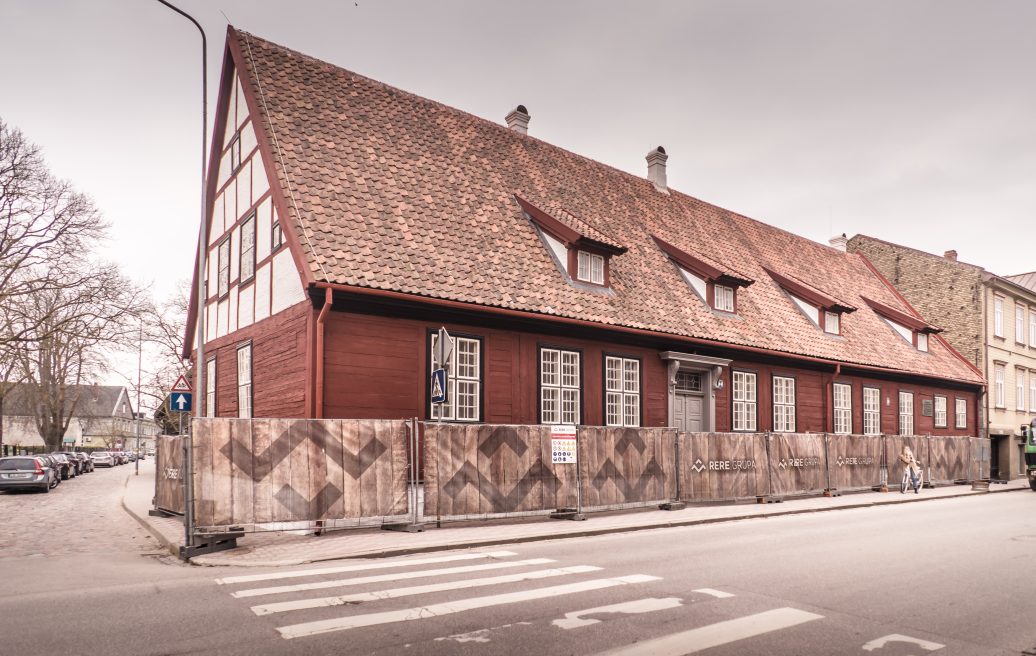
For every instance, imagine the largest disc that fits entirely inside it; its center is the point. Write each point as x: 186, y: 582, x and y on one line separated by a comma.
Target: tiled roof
x: 397, y: 192
x: 90, y: 400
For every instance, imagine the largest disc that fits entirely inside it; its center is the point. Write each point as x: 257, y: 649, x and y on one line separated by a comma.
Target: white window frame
x: 276, y: 236
x: 832, y: 322
x: 906, y: 413
x: 842, y: 400
x: 560, y: 386
x: 783, y: 404
x: 1019, y: 389
x: 244, y: 381
x: 1032, y: 327
x: 1032, y: 390
x: 210, y: 387
x: 940, y: 417
x: 621, y: 391
x: 223, y: 268
x: 922, y: 342
x: 998, y: 317
x: 247, y: 247
x: 723, y: 297
x: 590, y: 267
x: 464, y: 380
x: 744, y: 398
x: 871, y: 411
x: 1019, y: 323
x: 999, y: 374
x: 961, y: 413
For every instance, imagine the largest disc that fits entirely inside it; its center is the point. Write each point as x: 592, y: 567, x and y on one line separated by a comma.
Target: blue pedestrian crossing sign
x: 439, y: 391
x: 180, y: 401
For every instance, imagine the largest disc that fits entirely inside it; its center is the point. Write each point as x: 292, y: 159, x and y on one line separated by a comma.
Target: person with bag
x: 913, y: 470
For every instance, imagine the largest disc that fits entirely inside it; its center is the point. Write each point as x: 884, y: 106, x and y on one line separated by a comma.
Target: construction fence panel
x: 981, y: 454
x: 625, y: 467
x: 949, y: 459
x: 258, y: 473
x: 169, y: 473
x: 798, y: 463
x: 723, y: 466
x: 854, y: 461
x: 894, y: 445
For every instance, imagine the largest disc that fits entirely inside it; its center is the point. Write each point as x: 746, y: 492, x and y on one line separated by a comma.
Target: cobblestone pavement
x: 83, y: 515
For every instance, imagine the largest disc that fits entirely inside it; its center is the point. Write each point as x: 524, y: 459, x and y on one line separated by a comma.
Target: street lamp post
x: 199, y: 362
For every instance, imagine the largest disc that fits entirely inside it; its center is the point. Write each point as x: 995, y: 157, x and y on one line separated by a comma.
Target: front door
x: 688, y: 412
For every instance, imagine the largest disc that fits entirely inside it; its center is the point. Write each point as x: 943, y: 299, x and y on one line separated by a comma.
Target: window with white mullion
x: 871, y: 411
x: 223, y: 258
x: 906, y: 413
x: 210, y: 388
x: 783, y: 404
x: 464, y: 381
x: 962, y: 413
x: 622, y: 391
x: 244, y: 382
x: 1032, y: 327
x: 940, y: 412
x: 744, y: 400
x: 998, y: 317
x: 998, y: 385
x: 843, y: 407
x: 1019, y: 389
x: 590, y: 267
x: 1019, y: 323
x: 559, y: 387
x: 1032, y: 391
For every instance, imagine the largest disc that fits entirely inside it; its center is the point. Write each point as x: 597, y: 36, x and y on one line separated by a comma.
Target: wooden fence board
x: 263, y: 436
x: 400, y: 447
x: 798, y: 463
x: 169, y: 473
x: 240, y: 446
x: 204, y: 483
x: 722, y: 466
x: 432, y: 481
x: 854, y: 461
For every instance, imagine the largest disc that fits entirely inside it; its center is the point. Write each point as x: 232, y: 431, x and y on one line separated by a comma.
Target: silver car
x: 102, y: 459
x: 27, y: 472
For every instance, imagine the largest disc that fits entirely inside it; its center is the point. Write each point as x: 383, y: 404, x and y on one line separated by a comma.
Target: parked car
x: 77, y: 462
x: 68, y: 468
x: 102, y: 459
x: 27, y: 472
x: 87, y: 464
x: 121, y: 457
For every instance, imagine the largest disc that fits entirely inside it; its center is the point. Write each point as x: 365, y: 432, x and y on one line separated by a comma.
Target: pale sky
x: 910, y: 121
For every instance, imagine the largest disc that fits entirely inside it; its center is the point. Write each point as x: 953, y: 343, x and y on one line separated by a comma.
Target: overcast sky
x: 911, y: 121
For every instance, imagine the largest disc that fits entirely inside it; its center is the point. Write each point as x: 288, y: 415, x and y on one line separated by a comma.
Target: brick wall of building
x: 946, y: 292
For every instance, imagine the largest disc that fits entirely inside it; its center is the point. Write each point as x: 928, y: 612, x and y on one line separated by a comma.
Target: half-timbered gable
x: 577, y: 293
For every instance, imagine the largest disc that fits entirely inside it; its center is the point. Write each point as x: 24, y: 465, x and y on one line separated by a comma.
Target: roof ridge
x: 916, y: 250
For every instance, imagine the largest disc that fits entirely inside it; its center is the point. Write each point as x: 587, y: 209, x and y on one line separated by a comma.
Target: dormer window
x: 716, y: 287
x: 823, y: 310
x: 590, y: 267
x: 912, y: 329
x: 582, y: 252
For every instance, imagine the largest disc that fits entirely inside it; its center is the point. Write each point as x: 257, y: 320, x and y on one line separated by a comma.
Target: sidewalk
x: 280, y: 549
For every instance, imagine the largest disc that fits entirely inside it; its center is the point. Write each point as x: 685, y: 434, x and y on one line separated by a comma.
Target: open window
x: 821, y: 308
x: 912, y: 329
x: 581, y: 251
x: 717, y: 286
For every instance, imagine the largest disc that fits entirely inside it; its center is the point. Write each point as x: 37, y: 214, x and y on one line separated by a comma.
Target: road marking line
x: 719, y: 594
x: 896, y: 637
x: 360, y: 568
x: 381, y: 578
x: 721, y: 633
x: 393, y: 593
x: 459, y: 606
x: 575, y: 619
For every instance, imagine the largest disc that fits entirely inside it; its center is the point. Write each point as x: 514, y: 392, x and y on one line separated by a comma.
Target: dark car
x: 85, y: 464
x: 27, y: 472
x: 78, y: 462
x: 67, y: 468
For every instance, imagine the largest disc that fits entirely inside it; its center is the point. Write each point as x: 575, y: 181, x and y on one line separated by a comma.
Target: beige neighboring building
x: 989, y: 319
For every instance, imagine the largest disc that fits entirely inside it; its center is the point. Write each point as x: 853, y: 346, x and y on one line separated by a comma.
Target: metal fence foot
x: 831, y: 492
x: 672, y: 505
x: 769, y: 499
x: 403, y: 528
x: 568, y: 513
x: 158, y: 512
x: 210, y: 543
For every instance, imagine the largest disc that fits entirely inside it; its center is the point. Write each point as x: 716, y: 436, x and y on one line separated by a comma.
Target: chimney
x: 839, y: 242
x: 656, y: 169
x: 518, y: 119
x: 950, y: 255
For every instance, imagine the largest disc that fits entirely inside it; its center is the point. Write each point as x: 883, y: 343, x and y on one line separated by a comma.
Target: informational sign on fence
x: 563, y: 444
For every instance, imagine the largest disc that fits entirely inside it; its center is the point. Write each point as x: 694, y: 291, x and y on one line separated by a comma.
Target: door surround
x: 711, y: 370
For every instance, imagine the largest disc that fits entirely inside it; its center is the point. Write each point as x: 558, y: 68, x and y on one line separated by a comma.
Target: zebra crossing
x: 475, y: 580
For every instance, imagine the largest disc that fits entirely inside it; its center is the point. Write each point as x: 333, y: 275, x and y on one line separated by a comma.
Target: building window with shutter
x: 210, y: 388
x: 871, y: 411
x: 843, y: 395
x: 464, y: 381
x: 744, y: 400
x: 906, y: 413
x: 783, y: 404
x: 940, y: 412
x: 244, y: 382
x: 962, y: 413
x: 560, y: 383
x: 248, y: 248
x: 621, y: 391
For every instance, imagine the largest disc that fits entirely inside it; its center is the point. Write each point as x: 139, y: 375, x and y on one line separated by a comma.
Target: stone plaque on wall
x: 926, y: 407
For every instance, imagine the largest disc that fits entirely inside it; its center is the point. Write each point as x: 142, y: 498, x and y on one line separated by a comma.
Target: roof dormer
x: 716, y: 285
x: 824, y: 310
x: 914, y: 330
x: 581, y: 251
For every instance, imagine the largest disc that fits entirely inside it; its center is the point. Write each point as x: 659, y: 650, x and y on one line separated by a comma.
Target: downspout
x: 328, y: 300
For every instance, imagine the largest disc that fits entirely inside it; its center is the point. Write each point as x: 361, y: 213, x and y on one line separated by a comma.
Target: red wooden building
x: 349, y: 220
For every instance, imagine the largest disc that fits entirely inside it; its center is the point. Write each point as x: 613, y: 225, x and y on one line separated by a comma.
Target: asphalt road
x: 945, y: 577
